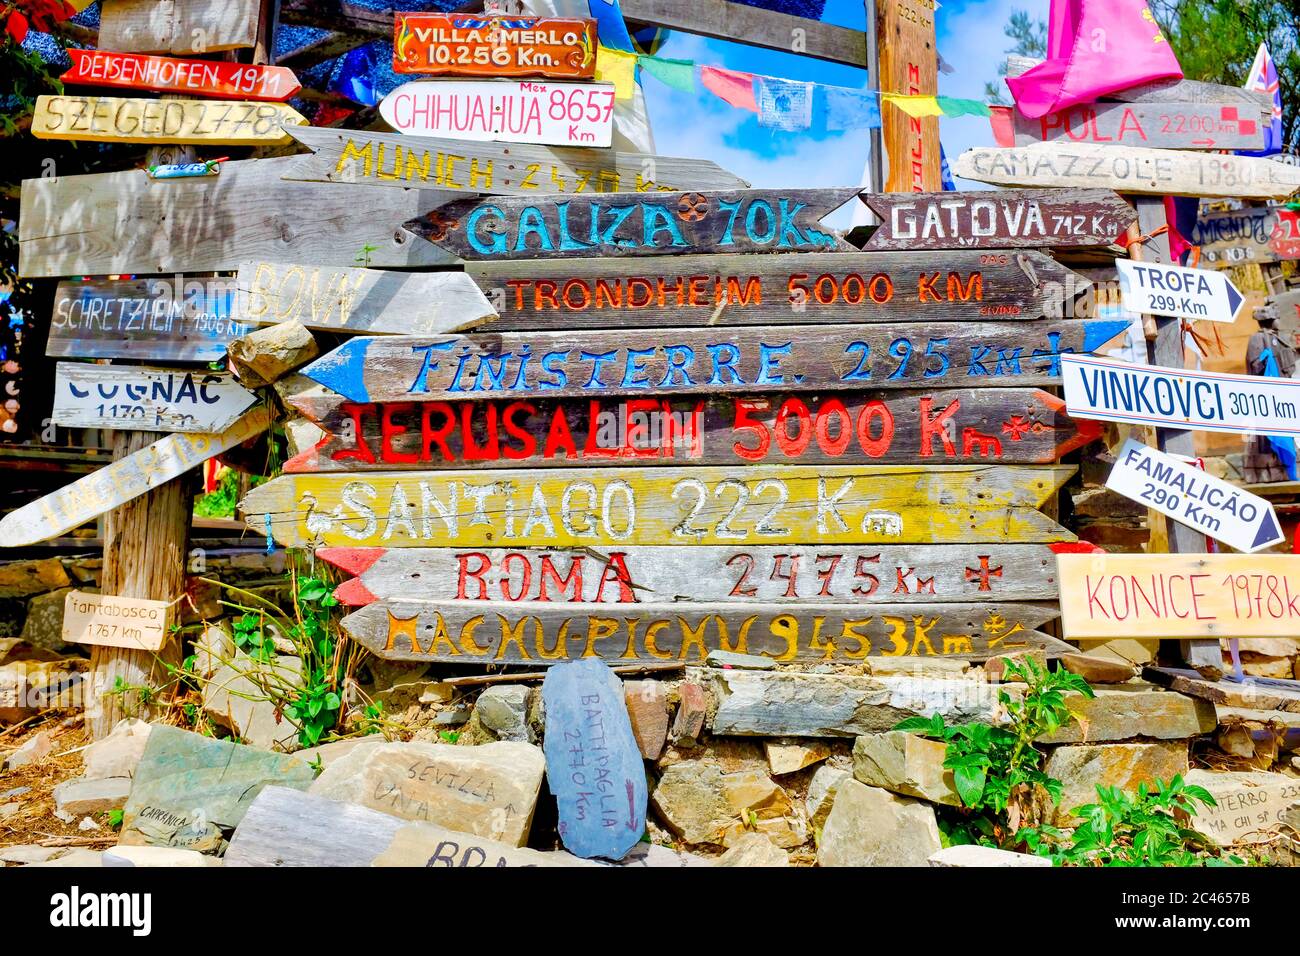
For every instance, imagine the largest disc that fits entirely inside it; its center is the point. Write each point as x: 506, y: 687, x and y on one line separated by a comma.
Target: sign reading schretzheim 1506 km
x: 477, y: 44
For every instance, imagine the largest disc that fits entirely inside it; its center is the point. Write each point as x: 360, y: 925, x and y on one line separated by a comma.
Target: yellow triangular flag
x: 914, y: 106
x: 619, y: 68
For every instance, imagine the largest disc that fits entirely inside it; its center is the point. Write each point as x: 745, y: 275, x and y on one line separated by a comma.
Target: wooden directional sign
x: 545, y: 634
x: 1129, y: 169
x: 166, y: 318
x: 749, y: 359
x: 618, y: 577
x: 593, y: 763
x: 1164, y: 125
x: 359, y: 300
x: 111, y: 119
x: 166, y: 74
x: 507, y: 169
x: 178, y: 26
x: 1180, y: 398
x: 1179, y: 595
x: 1163, y: 289
x: 851, y: 504
x: 997, y: 220
x: 478, y: 44
x: 546, y: 112
x: 804, y: 288
x: 135, y: 398
x: 1199, y: 500
x: 738, y: 220
x: 1170, y: 90
x: 1250, y: 234
x: 104, y: 620
x: 100, y: 491
x: 1005, y: 425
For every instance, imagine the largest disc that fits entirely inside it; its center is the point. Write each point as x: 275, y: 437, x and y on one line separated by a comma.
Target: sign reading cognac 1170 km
x: 137, y: 71
x: 477, y: 44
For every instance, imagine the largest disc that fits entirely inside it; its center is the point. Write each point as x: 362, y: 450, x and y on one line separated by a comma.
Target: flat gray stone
x: 868, y: 826
x: 963, y: 857
x: 906, y: 764
x: 81, y: 796
x: 745, y: 662
x: 503, y: 709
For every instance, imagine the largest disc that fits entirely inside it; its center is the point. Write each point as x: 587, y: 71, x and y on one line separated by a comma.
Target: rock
x: 1099, y: 669
x: 701, y: 804
x: 86, y: 825
x: 1134, y: 710
x: 34, y: 749
x: 235, y: 699
x: 8, y: 810
x: 327, y: 754
x: 28, y: 853
x: 79, y: 797
x: 748, y: 662
x: 1136, y: 650
x: 270, y: 353
x: 868, y: 826
x: 994, y: 666
x: 153, y: 856
x: 787, y: 756
x: 918, y: 666
x: 77, y: 857
x: 118, y: 754
x: 906, y: 764
x: 29, y: 686
x: 15, y: 792
x: 729, y: 754
x: 454, y: 717
x: 16, y: 649
x: 652, y: 855
x: 502, y: 709
x: 489, y: 790
x: 647, y: 708
x: 753, y: 849
x: 44, y: 624
x: 20, y: 579
x: 1082, y: 768
x: 970, y: 855
x: 1251, y: 804
x: 213, y: 650
x: 822, y: 788
x: 688, y: 725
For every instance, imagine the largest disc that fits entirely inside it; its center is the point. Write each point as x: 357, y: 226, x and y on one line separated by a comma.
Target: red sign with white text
x: 136, y: 71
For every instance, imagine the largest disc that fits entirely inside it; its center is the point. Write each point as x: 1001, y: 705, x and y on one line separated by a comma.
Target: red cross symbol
x: 983, y: 573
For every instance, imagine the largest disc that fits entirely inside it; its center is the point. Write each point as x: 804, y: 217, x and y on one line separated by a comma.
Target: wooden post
x: 908, y: 64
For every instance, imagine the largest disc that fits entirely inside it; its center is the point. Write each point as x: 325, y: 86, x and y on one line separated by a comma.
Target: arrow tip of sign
x: 343, y: 370
x: 351, y: 560
x: 1098, y: 332
x: 1234, y: 297
x: 1268, y: 532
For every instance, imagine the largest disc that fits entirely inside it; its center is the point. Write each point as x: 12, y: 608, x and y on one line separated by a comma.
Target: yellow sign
x: 113, y: 119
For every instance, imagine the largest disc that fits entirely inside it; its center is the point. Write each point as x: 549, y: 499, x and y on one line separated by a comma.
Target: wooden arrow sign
x: 1164, y: 289
x: 166, y: 74
x: 134, y: 398
x: 127, y: 478
x: 738, y: 220
x: 478, y: 44
x: 852, y: 504
x: 804, y: 288
x: 543, y: 634
x: 507, y: 169
x: 1129, y: 169
x: 111, y: 119
x: 337, y: 298
x: 621, y: 577
x: 749, y: 359
x: 1005, y: 425
x: 192, y: 26
x: 1253, y: 234
x: 1163, y: 125
x: 998, y: 220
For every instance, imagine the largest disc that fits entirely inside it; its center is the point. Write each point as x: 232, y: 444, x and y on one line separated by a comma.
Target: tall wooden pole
x: 908, y: 64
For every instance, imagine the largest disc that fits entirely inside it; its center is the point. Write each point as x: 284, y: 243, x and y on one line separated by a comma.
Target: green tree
x: 1030, y: 38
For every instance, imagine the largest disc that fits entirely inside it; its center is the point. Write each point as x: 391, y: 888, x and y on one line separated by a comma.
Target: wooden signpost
x: 593, y: 763
x: 1163, y: 289
x: 803, y: 288
x: 111, y: 119
x: 178, y: 26
x: 343, y: 299
x: 477, y: 44
x: 908, y: 64
x: 997, y: 220
x: 134, y: 71
x: 507, y: 169
x: 546, y: 112
x: 135, y: 398
x: 1164, y: 125
x: 658, y: 574
x: 165, y: 318
x: 740, y: 220
x: 1106, y: 596
x: 851, y: 504
x: 125, y: 479
x: 1005, y: 425
x: 1128, y: 169
x: 746, y: 359
x: 546, y: 634
x: 106, y: 621
x: 1253, y: 234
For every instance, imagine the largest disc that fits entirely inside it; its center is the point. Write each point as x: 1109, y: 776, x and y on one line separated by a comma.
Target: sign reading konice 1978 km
x: 477, y: 44
x: 1160, y: 289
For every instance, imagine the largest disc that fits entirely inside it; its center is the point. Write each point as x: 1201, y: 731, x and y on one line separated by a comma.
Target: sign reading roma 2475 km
x: 548, y: 112
x: 110, y: 119
x: 137, y: 71
x: 477, y: 44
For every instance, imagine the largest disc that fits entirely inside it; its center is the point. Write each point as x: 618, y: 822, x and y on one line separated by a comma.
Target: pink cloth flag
x: 1094, y: 47
x: 731, y: 85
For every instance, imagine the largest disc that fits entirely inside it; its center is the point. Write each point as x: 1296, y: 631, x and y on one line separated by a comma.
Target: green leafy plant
x: 115, y: 817
x: 221, y: 501
x: 251, y: 637
x: 449, y: 736
x: 315, y: 708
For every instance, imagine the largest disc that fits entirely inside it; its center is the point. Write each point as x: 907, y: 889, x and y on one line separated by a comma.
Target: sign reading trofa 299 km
x: 1158, y: 289
x: 1180, y: 398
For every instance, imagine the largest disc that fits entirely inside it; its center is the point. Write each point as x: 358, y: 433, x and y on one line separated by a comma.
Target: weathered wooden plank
x: 339, y: 298
x: 126, y: 223
x: 1011, y: 426
x: 478, y: 44
x: 546, y: 112
x: 135, y: 398
x: 115, y: 119
x: 1163, y: 125
x: 908, y: 64
x: 124, y: 479
x: 165, y: 318
x: 1106, y: 596
x: 804, y: 288
x: 737, y: 220
x: 997, y: 220
x: 748, y: 359
x: 508, y: 169
x: 135, y: 71
x: 853, y: 504
x: 1170, y: 90
x: 656, y: 574
x: 545, y: 634
x: 1129, y: 169
x: 1253, y: 234
x: 178, y: 26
